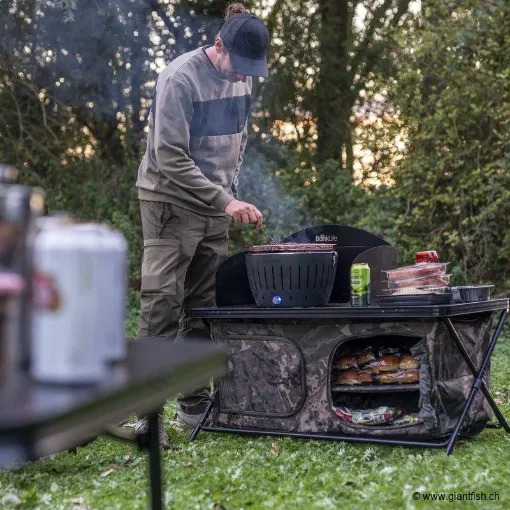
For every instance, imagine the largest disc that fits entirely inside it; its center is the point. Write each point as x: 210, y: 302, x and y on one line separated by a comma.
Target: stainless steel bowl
x: 473, y: 293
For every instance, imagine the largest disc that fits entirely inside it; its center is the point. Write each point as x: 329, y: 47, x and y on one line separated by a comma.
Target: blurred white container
x: 81, y: 275
x: 112, y: 271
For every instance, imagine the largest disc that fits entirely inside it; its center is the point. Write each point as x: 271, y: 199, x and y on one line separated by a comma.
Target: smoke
x: 92, y: 55
x: 283, y: 213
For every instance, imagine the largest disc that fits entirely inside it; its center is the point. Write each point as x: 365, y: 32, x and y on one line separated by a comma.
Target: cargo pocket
x: 159, y: 266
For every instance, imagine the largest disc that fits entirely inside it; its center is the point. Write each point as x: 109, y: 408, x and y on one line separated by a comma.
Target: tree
x: 454, y: 98
x: 99, y: 59
x: 324, y: 54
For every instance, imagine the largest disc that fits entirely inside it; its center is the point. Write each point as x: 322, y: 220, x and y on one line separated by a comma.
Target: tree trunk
x: 334, y: 98
x: 138, y: 55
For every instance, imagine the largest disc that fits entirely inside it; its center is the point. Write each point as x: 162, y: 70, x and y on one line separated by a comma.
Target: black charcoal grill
x: 309, y: 268
x: 285, y: 275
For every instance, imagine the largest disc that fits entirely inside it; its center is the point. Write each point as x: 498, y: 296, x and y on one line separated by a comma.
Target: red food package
x: 426, y: 256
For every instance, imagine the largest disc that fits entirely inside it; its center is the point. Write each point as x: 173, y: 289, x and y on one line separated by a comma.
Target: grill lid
x: 292, y: 247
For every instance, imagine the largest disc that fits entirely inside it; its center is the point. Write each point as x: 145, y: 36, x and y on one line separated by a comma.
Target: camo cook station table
x: 279, y: 379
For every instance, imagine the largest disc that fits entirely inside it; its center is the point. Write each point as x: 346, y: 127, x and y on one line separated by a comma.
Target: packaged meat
x: 436, y: 280
x: 387, y: 363
x: 346, y: 362
x: 407, y: 362
x: 429, y: 289
x: 352, y: 377
x: 416, y: 271
x: 402, y: 376
x: 426, y: 256
x: 407, y: 419
x: 383, y: 415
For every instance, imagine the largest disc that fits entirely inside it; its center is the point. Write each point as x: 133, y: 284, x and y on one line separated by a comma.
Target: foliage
x: 454, y: 95
x: 436, y: 81
x: 323, y: 55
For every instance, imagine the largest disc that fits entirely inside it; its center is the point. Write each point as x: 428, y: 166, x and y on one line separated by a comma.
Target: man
x: 187, y: 182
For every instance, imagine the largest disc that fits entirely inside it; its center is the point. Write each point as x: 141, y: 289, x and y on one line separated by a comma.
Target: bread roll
x: 354, y: 377
x: 403, y: 376
x: 346, y: 362
x: 387, y: 363
x: 366, y: 356
x: 408, y: 362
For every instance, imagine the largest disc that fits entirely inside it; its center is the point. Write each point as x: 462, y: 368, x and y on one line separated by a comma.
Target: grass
x: 226, y: 472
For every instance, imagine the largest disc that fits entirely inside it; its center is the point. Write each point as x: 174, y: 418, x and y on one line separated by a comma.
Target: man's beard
x: 232, y: 77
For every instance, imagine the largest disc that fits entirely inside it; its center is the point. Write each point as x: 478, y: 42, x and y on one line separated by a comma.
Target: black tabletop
x: 348, y: 312
x: 52, y: 417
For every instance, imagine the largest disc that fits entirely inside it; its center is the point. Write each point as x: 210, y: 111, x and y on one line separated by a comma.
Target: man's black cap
x: 247, y: 39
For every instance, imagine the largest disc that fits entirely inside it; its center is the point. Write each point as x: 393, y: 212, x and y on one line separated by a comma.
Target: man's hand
x: 243, y: 212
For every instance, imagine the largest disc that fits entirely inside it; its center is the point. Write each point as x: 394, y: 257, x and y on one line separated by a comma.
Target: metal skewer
x: 271, y: 240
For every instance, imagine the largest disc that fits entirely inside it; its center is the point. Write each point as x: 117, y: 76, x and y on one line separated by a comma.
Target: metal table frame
x: 442, y: 312
x: 38, y: 419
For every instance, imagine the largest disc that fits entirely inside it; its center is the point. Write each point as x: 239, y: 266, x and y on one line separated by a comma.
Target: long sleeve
x: 172, y: 119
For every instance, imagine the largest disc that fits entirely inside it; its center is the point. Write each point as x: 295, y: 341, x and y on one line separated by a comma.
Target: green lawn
x: 227, y: 472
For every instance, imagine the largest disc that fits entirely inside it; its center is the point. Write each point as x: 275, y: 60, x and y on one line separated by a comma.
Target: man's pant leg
x: 201, y: 277
x: 171, y: 237
x: 201, y: 291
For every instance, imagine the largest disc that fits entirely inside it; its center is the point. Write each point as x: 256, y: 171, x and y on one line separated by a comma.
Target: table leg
x: 204, y: 417
x: 155, y: 463
x: 477, y: 384
x: 499, y: 415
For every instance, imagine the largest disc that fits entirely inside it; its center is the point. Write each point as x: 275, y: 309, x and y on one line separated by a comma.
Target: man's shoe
x: 188, y: 417
x: 142, y: 432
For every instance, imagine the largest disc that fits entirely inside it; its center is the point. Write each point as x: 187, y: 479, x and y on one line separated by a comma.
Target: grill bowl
x: 291, y: 279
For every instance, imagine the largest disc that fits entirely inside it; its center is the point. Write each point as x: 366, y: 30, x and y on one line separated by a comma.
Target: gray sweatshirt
x: 197, y: 135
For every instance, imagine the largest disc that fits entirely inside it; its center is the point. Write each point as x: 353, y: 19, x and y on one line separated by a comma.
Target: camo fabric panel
x: 445, y: 379
x: 452, y: 379
x: 266, y: 375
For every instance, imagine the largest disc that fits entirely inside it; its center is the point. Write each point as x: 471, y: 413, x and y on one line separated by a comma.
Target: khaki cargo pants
x: 181, y: 253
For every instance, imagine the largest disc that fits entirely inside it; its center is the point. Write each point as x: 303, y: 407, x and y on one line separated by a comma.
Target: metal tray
x: 415, y: 299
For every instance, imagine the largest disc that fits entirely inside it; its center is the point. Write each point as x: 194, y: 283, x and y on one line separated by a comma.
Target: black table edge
x: 351, y: 313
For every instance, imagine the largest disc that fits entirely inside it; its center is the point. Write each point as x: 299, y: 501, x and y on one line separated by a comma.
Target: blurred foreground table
x: 39, y: 419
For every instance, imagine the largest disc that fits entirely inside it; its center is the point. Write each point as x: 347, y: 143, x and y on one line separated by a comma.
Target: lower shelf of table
x: 431, y: 443
x: 372, y: 388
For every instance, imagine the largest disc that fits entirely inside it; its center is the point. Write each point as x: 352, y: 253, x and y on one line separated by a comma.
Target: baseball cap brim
x: 249, y: 66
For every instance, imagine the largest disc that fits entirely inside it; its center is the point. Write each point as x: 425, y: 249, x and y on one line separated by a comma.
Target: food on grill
x: 387, y: 363
x: 426, y: 256
x: 346, y: 362
x: 408, y: 362
x: 354, y: 377
x: 403, y: 376
x: 366, y: 356
x: 282, y: 247
x: 416, y: 271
